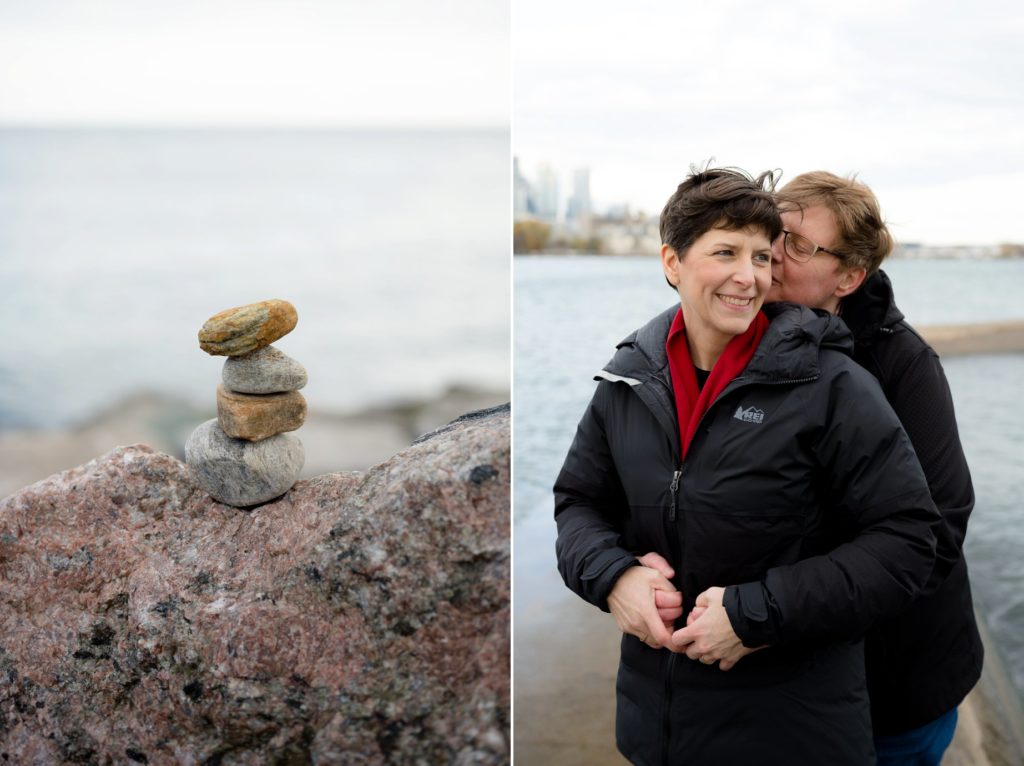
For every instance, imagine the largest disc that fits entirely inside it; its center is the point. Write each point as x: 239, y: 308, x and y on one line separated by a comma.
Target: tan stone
x: 244, y: 329
x: 255, y: 417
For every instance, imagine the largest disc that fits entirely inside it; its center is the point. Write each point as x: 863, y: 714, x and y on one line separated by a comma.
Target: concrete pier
x: 982, y: 338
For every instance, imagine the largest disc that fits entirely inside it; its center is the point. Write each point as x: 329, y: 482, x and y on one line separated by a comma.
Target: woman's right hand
x: 669, y: 603
x: 634, y: 601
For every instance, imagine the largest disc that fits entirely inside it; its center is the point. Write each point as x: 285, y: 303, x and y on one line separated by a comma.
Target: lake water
x: 570, y: 313
x: 116, y: 246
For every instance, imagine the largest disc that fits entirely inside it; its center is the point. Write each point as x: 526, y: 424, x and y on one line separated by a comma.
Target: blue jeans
x: 918, y: 747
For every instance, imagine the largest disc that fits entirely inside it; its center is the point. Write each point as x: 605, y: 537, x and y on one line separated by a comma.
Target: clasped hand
x: 646, y: 604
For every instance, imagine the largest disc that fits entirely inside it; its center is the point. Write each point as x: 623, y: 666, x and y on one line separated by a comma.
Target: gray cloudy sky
x: 327, y: 62
x: 924, y: 98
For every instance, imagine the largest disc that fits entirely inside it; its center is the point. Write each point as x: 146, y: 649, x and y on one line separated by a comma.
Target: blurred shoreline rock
x: 362, y: 618
x: 981, y: 338
x: 334, y: 441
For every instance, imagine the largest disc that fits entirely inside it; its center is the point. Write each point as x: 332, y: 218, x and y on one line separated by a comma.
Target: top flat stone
x: 244, y: 329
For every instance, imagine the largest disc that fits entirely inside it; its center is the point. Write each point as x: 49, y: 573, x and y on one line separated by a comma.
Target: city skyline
x: 921, y: 99
x: 650, y: 204
x: 543, y: 197
x: 573, y: 223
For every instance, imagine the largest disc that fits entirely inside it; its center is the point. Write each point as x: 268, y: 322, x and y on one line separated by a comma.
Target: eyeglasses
x: 801, y: 249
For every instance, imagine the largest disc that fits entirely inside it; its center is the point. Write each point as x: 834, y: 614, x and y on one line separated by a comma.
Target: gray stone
x: 239, y: 472
x: 264, y: 371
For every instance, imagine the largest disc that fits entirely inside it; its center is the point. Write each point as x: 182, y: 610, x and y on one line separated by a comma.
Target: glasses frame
x: 817, y: 248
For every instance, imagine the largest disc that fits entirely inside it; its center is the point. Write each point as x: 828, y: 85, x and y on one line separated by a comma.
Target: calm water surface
x: 115, y: 246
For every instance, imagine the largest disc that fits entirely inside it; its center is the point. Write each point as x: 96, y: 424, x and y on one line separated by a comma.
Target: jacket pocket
x: 723, y: 549
x: 645, y: 530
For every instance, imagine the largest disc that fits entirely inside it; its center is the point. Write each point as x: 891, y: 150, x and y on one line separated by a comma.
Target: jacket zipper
x: 666, y: 721
x: 667, y: 718
x: 674, y: 488
x: 673, y: 537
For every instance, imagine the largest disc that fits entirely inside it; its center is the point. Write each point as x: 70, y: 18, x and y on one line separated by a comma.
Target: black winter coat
x: 800, y: 491
x: 923, y: 662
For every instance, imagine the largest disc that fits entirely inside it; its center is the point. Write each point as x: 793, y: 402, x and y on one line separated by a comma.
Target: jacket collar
x: 642, y: 353
x: 789, y: 351
x: 872, y: 309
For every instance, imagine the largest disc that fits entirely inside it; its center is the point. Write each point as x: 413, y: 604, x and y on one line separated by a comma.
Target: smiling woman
x: 722, y: 283
x: 715, y: 502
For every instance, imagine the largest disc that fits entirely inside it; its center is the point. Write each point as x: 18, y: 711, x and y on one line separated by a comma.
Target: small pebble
x: 242, y: 473
x: 244, y: 329
x: 263, y: 371
x: 255, y: 417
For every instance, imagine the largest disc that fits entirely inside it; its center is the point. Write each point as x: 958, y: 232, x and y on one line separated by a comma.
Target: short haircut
x: 719, y: 198
x: 864, y: 239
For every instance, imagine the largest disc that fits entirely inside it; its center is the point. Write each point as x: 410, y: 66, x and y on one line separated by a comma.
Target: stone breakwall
x: 362, y: 618
x: 981, y: 338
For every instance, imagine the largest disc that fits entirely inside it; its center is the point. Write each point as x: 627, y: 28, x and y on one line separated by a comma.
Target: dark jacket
x: 800, y: 491
x: 923, y: 662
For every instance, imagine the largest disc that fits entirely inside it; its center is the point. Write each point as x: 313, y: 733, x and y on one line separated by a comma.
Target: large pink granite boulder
x: 359, y: 619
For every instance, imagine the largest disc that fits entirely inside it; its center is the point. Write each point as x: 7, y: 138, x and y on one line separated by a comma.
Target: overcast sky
x: 319, y: 62
x: 924, y: 98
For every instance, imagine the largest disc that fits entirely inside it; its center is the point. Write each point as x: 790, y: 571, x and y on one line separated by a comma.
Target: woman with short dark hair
x: 749, y: 452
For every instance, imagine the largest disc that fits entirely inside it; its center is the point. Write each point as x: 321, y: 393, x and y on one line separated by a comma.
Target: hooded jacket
x: 923, y: 662
x: 800, y: 492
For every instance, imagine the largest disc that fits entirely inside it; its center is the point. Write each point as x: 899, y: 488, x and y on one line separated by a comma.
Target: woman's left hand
x: 710, y: 638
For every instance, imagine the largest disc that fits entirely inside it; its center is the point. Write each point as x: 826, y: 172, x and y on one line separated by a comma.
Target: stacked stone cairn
x: 245, y: 456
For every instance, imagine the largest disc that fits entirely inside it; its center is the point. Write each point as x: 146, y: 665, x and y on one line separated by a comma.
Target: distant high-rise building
x: 579, y: 207
x: 619, y: 211
x: 547, y: 193
x: 522, y: 193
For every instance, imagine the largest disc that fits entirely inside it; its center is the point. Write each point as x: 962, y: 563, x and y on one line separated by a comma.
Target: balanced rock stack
x: 245, y: 456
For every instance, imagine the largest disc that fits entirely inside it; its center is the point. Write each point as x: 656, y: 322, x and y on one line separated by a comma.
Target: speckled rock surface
x: 258, y: 416
x: 265, y: 371
x: 244, y: 329
x: 361, y: 619
x: 240, y: 472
